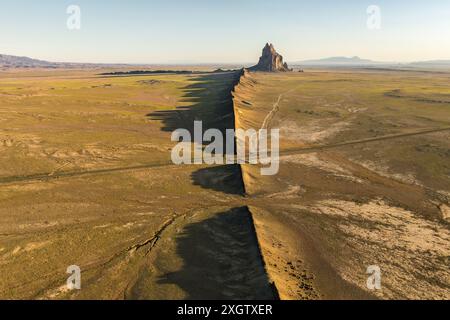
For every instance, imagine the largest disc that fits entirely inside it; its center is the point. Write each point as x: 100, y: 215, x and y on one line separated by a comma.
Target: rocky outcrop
x: 270, y: 61
x: 445, y: 211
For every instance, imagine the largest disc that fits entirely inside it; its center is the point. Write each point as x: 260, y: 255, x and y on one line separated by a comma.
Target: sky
x: 225, y: 31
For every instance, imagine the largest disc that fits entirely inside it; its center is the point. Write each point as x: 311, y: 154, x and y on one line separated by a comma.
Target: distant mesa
x: 8, y: 61
x: 271, y: 61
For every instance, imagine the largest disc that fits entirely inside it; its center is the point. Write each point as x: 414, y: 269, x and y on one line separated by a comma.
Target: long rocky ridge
x: 243, y: 83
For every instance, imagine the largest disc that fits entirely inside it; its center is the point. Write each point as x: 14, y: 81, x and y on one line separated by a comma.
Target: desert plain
x: 86, y: 179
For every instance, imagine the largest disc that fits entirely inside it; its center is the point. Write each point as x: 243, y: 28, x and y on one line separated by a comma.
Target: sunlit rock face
x: 271, y: 61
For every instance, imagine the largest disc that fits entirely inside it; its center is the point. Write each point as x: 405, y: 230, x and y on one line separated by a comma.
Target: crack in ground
x: 100, y: 263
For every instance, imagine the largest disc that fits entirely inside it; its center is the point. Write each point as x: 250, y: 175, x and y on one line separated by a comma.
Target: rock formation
x: 270, y: 61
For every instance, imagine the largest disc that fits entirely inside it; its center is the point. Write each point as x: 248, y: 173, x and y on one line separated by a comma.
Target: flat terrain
x: 86, y: 179
x: 364, y: 180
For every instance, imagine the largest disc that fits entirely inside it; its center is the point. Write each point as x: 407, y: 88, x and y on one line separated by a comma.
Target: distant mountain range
x: 432, y: 63
x: 23, y: 62
x: 9, y: 61
x: 338, y: 61
x: 358, y: 62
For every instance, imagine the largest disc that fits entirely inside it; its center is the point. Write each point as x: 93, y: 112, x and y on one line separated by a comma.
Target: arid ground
x: 86, y: 179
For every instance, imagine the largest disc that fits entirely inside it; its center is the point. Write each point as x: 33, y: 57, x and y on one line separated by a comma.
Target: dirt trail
x: 59, y: 175
x: 68, y: 174
x: 235, y: 248
x: 275, y: 108
x: 208, y: 249
x: 361, y: 141
x: 318, y: 237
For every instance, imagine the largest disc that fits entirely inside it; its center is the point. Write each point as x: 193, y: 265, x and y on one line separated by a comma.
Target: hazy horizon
x: 229, y: 32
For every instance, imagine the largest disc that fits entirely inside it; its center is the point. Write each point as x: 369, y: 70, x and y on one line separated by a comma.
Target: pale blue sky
x: 174, y: 31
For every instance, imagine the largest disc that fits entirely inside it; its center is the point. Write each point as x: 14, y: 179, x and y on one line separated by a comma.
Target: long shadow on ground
x: 225, y: 178
x: 208, y: 99
x: 221, y: 259
x: 220, y: 252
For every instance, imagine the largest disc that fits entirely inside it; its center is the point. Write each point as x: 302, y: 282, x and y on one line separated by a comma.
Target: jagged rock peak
x: 270, y: 61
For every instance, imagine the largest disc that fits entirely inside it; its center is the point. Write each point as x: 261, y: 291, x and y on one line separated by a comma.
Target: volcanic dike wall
x: 243, y: 90
x: 243, y: 119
